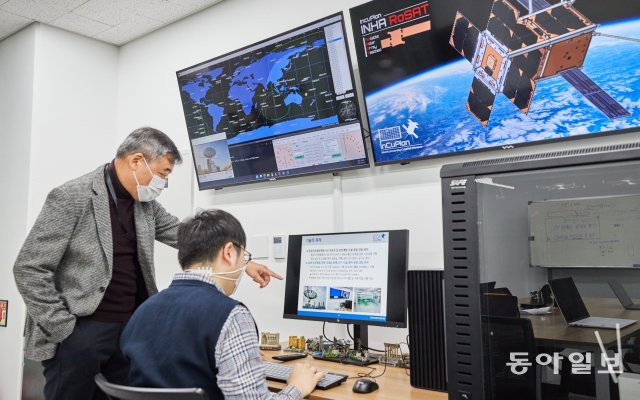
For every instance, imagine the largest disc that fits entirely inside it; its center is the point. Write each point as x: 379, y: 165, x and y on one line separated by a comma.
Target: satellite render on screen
x: 442, y: 77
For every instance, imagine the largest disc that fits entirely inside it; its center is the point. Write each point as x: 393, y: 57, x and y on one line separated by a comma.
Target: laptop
x: 622, y: 295
x: 629, y: 385
x: 575, y: 312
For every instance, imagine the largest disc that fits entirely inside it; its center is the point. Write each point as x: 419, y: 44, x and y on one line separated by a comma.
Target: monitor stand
x: 361, y: 338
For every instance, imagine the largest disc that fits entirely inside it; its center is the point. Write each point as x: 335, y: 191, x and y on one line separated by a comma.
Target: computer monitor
x: 440, y: 78
x: 351, y: 278
x: 283, y: 107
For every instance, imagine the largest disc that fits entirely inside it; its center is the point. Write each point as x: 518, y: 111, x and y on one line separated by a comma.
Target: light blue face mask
x: 153, y: 189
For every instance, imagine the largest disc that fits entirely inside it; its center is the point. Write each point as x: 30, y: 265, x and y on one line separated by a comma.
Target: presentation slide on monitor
x: 344, y: 276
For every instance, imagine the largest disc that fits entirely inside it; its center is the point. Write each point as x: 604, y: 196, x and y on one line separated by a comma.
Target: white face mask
x: 153, y: 189
x: 220, y: 275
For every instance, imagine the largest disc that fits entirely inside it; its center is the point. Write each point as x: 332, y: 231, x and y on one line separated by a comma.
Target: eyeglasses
x: 247, y: 255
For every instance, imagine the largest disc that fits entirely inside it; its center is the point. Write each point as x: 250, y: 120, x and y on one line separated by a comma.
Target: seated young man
x: 192, y: 334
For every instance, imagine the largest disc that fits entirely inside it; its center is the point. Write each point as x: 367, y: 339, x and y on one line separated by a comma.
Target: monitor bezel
x: 395, y: 238
x: 501, y: 150
x: 366, y: 164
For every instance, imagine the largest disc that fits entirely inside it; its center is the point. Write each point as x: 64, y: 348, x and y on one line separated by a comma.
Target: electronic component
x: 270, y: 341
x: 297, y: 344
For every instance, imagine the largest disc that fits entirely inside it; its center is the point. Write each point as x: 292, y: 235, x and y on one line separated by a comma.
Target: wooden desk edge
x: 394, y: 384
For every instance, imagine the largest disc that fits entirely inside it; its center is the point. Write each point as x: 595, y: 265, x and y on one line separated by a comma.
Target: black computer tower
x: 426, y: 330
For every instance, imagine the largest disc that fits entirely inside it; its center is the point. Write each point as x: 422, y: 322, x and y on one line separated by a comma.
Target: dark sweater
x: 171, y: 338
x: 126, y: 289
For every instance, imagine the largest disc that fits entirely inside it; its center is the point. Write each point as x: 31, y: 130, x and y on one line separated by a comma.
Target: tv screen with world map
x: 443, y: 77
x: 283, y: 107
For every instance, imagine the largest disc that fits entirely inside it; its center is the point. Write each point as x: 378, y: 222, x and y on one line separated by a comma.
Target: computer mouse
x: 365, y: 386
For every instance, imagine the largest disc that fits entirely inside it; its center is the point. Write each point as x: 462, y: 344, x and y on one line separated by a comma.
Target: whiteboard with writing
x: 585, y: 232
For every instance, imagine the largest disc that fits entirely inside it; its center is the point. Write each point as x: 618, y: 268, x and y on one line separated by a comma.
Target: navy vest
x: 171, y: 338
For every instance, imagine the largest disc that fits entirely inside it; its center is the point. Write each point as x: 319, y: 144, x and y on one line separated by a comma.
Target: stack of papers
x: 536, y: 311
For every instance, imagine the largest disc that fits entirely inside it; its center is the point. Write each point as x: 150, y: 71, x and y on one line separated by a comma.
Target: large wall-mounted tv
x: 283, y: 107
x: 443, y: 77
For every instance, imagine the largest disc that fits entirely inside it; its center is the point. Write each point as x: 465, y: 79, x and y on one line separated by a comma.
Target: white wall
x: 16, y: 81
x: 57, y: 121
x: 377, y: 198
x: 177, y: 198
x: 74, y: 109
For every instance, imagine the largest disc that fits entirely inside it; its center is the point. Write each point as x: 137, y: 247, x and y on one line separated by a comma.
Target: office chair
x: 501, y: 290
x: 502, y: 336
x: 486, y: 287
x: 120, y: 392
x: 499, y: 305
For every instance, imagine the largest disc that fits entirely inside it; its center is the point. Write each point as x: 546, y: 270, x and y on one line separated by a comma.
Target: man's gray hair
x: 152, y: 143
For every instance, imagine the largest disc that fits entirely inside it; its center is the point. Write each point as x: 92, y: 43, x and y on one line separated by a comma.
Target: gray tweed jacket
x: 66, y: 261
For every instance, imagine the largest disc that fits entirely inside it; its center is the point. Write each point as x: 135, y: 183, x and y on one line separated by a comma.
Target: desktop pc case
x: 487, y: 223
x: 427, y: 342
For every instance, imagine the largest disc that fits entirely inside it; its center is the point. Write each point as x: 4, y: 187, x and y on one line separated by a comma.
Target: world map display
x: 277, y: 89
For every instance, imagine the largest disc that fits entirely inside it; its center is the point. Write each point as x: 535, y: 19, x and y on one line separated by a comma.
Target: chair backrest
x: 120, y: 392
x: 499, y: 305
x: 486, y: 287
x: 500, y: 337
x: 501, y: 290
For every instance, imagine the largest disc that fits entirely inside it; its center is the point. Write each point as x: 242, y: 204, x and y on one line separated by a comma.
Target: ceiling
x: 112, y: 21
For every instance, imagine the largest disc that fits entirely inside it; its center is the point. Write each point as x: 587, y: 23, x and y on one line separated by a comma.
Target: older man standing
x: 88, y: 263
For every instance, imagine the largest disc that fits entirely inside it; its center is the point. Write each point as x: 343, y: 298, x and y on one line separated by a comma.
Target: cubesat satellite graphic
x: 526, y: 41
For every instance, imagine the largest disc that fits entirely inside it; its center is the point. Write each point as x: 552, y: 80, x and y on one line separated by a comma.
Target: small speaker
x: 427, y: 343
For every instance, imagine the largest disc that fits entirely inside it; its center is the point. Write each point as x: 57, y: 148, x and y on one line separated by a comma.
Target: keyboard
x: 280, y: 373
